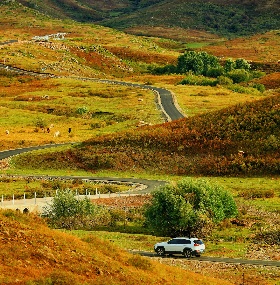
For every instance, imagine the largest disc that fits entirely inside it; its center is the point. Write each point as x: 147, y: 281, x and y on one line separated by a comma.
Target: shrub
x: 215, y: 72
x: 198, y: 80
x: 259, y: 87
x: 239, y: 75
x: 257, y: 74
x: 82, y: 110
x: 40, y: 123
x: 241, y: 63
x: 229, y: 65
x: 223, y: 80
x: 70, y: 212
x: 241, y: 89
x: 167, y: 69
x: 271, y: 143
x: 197, y: 62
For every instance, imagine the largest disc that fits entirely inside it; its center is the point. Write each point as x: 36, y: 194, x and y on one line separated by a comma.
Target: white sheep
x: 7, y: 132
x: 56, y: 134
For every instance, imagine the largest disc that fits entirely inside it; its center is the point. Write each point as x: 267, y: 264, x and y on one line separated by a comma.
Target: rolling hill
x: 226, y: 18
x: 208, y: 144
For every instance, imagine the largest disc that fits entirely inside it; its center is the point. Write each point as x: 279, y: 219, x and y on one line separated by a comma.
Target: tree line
x: 202, y: 68
x: 187, y: 208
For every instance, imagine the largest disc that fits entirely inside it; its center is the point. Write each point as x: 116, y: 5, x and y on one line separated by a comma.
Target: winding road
x: 165, y: 98
x: 171, y: 112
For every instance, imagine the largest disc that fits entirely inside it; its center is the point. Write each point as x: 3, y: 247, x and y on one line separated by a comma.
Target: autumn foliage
x: 239, y: 140
x: 33, y: 254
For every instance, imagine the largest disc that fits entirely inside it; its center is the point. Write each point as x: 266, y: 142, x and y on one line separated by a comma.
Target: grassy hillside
x: 208, y: 144
x: 227, y: 18
x: 86, y: 50
x: 31, y: 253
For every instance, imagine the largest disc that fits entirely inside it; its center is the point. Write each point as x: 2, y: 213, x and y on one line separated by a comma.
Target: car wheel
x: 187, y: 253
x: 160, y: 251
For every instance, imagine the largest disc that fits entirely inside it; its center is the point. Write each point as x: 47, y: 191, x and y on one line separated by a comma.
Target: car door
x: 184, y: 243
x: 172, y: 246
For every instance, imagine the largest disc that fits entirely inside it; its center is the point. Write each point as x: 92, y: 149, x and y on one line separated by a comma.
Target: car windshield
x: 198, y: 241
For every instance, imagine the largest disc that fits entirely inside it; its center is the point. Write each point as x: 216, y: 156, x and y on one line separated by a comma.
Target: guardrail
x: 36, y: 204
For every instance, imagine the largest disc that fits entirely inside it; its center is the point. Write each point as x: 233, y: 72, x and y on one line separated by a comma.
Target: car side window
x: 172, y: 241
x: 186, y: 241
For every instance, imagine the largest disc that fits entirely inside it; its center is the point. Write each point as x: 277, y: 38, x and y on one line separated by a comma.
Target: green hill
x: 227, y: 18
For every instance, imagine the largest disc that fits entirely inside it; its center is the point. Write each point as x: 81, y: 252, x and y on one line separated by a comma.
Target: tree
x: 196, y: 62
x: 190, y: 207
x: 70, y: 212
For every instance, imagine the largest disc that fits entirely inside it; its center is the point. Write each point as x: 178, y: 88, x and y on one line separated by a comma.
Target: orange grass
x: 30, y: 251
x: 261, y: 48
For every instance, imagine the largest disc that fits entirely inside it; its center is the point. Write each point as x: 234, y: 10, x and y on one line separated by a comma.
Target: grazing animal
x: 56, y: 134
x: 7, y: 132
x: 49, y: 128
x: 242, y: 153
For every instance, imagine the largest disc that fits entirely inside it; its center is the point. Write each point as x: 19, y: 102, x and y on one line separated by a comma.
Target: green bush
x: 197, y: 62
x: 167, y: 69
x: 241, y: 63
x: 223, y: 80
x: 229, y: 65
x: 189, y: 208
x: 215, y: 72
x: 239, y: 75
x: 70, y: 212
x: 40, y: 123
x: 260, y: 87
x: 198, y: 80
x: 271, y: 143
x: 257, y: 74
x: 82, y: 110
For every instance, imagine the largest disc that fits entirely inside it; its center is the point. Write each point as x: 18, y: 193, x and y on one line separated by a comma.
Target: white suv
x: 181, y: 245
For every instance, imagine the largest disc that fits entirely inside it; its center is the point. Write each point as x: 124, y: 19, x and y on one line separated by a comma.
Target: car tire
x: 187, y: 253
x: 160, y: 251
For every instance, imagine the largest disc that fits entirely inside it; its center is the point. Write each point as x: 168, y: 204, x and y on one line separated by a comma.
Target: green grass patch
x: 125, y: 241
x: 196, y: 45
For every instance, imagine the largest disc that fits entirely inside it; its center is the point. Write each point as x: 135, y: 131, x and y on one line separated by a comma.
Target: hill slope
x: 228, y: 18
x: 208, y: 144
x: 31, y: 253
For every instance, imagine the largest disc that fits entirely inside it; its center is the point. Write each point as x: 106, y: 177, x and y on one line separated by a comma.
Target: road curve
x: 164, y: 97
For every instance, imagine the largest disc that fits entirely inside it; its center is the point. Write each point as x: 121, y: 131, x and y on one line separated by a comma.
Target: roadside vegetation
x: 48, y: 186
